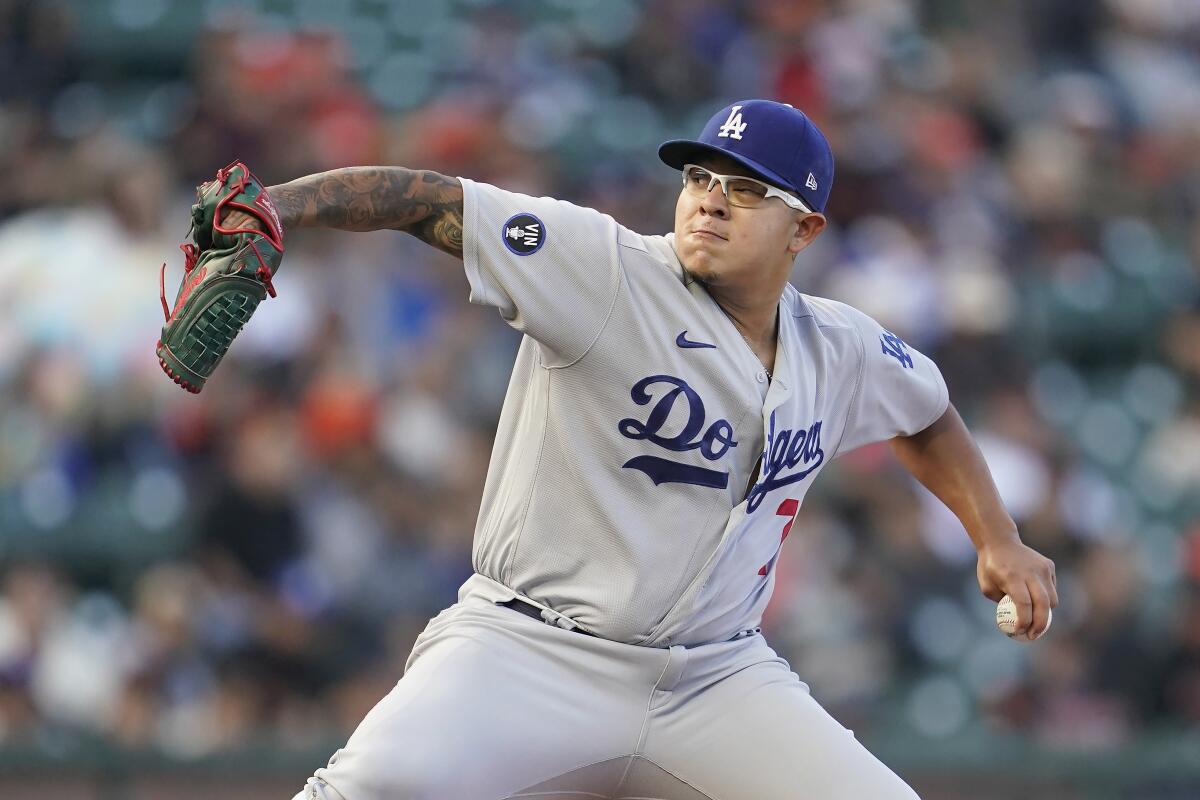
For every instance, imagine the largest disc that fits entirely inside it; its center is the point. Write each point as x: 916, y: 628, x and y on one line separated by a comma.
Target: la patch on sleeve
x: 523, y: 234
x: 895, y: 347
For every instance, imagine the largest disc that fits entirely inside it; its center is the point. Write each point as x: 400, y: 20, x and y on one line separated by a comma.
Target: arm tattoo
x: 419, y: 202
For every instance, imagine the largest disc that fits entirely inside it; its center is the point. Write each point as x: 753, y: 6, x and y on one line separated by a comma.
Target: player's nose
x: 715, y: 203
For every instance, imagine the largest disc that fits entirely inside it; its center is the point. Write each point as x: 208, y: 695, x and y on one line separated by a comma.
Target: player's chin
x: 702, y: 265
x: 702, y: 271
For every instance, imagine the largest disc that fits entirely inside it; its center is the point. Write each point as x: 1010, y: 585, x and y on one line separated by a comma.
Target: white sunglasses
x: 738, y: 189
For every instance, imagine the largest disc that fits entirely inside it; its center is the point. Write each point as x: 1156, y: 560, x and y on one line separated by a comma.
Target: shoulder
x: 842, y: 327
x: 656, y: 251
x: 825, y: 313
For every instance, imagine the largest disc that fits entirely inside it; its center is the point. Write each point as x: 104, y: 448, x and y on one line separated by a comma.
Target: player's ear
x: 805, y: 229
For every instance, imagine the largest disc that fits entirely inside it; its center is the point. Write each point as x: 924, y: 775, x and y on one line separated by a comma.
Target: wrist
x: 996, y: 534
x: 289, y: 213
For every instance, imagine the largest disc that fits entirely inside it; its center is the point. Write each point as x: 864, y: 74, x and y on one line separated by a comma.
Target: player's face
x: 727, y: 245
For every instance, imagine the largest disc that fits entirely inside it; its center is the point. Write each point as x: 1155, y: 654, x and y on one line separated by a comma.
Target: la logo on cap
x: 733, y: 127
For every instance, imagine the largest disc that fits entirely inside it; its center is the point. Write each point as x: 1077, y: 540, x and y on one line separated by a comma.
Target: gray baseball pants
x: 495, y: 705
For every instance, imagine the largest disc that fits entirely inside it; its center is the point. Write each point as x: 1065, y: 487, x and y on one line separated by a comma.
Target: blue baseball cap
x: 775, y: 140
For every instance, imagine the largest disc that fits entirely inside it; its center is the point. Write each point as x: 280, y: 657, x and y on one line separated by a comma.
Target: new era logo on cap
x: 774, y: 140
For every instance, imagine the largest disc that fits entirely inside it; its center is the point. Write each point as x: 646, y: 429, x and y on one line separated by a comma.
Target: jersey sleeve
x: 900, y: 391
x: 549, y: 266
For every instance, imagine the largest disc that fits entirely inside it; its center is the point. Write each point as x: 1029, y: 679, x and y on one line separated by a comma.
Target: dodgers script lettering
x: 715, y: 441
x: 786, y: 449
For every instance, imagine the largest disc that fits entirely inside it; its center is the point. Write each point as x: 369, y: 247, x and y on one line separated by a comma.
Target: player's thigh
x: 486, y: 708
x: 759, y: 735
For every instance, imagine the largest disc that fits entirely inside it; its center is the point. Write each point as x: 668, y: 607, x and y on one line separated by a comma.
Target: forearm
x: 420, y: 202
x: 945, y: 459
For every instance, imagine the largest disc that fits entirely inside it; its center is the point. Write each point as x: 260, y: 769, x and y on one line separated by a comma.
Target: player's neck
x: 753, y: 311
x: 757, y: 322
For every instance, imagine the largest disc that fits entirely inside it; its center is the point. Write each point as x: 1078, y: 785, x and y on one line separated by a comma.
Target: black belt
x: 533, y: 612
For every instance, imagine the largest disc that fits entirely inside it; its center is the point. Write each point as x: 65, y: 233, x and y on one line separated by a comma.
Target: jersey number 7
x: 787, y: 508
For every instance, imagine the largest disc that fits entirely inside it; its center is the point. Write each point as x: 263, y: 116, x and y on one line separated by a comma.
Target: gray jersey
x: 619, y: 491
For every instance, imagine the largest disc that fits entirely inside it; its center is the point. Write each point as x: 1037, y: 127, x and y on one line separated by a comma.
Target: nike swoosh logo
x: 687, y: 343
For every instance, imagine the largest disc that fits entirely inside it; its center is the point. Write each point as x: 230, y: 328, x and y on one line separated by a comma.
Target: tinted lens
x: 745, y: 192
x: 696, y: 180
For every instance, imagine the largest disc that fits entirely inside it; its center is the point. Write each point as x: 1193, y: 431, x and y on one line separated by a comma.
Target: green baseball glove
x: 227, y: 272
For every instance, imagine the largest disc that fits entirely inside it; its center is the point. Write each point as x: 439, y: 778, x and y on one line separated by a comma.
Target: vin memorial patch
x: 524, y: 234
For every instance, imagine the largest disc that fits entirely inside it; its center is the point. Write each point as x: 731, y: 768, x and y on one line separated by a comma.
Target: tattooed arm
x: 419, y: 202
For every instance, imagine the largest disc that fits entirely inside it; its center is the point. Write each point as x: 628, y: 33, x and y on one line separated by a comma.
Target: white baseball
x: 1006, y: 618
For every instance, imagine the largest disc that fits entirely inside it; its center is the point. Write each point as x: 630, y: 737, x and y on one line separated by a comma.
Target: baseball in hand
x: 1006, y: 619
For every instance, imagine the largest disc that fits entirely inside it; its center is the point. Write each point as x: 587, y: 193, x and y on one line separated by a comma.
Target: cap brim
x: 678, y: 152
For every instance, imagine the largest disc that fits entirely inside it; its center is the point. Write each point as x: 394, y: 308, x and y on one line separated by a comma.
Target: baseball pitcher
x: 672, y: 401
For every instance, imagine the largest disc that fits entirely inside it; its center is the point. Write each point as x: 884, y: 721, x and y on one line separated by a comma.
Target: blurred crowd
x: 1017, y: 194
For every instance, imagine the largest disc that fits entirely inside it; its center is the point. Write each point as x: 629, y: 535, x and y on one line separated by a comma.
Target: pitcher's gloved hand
x: 236, y: 248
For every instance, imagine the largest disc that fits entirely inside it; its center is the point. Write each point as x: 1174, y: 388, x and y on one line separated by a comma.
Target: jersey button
x: 761, y: 377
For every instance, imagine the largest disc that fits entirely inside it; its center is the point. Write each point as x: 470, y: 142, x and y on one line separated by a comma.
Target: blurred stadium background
x: 191, y: 607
